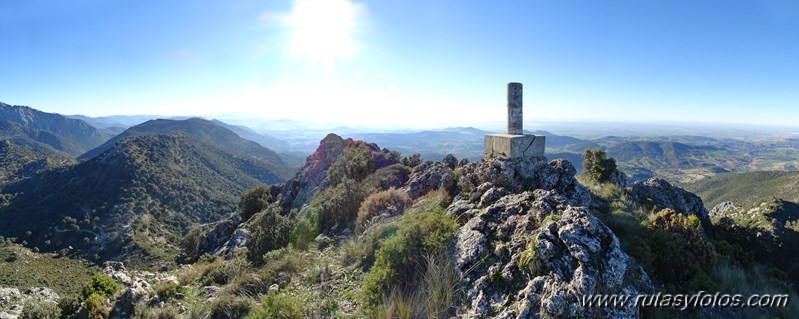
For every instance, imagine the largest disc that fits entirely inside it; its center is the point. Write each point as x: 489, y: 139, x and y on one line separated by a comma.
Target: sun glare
x: 322, y: 30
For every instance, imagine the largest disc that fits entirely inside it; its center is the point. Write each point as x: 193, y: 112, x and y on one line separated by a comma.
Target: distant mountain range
x: 130, y: 196
x: 64, y: 134
x: 136, y: 197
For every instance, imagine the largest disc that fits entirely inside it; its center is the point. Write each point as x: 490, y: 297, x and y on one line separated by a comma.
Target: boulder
x: 116, y: 270
x: 661, y: 194
x: 427, y: 177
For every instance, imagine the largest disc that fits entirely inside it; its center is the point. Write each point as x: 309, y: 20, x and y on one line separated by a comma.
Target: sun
x: 322, y: 30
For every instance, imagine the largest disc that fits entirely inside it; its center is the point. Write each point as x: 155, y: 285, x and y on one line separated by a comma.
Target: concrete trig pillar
x: 514, y: 144
x: 515, y: 117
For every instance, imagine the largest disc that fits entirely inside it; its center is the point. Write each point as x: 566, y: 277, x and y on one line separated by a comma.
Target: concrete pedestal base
x: 513, y: 146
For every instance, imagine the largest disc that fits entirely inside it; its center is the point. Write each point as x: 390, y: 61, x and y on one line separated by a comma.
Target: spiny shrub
x: 382, y: 201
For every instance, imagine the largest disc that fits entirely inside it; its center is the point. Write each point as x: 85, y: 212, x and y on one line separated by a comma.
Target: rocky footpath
x: 527, y: 247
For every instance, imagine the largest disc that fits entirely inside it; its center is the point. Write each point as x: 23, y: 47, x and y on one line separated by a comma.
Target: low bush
x: 680, y: 251
x: 382, y: 201
x: 282, y: 305
x: 101, y: 285
x: 40, y: 310
x: 269, y: 230
x: 256, y: 200
x: 305, y: 230
x: 222, y: 272
x: 94, y: 307
x: 167, y: 291
x: 230, y: 307
x: 402, y: 254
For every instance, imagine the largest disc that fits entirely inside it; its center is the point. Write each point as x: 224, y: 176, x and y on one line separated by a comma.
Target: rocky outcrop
x: 529, y: 249
x: 429, y: 176
x: 299, y: 190
x: 520, y: 263
x: 13, y: 303
x: 484, y: 182
x: 618, y: 178
x: 658, y: 193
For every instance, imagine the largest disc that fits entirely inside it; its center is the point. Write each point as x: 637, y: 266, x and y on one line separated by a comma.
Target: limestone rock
x: 575, y: 255
x: 721, y: 208
x: 8, y: 294
x: 661, y: 194
x: 521, y: 174
x: 116, y: 270
x: 450, y: 161
x: 618, y: 178
x: 427, y: 177
x: 42, y: 294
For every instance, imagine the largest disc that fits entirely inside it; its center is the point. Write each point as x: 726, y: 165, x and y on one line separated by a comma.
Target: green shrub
x: 94, y: 307
x: 305, y: 230
x: 40, y: 310
x: 69, y: 305
x: 222, y: 272
x: 680, y: 251
x: 397, y: 261
x: 167, y: 291
x: 190, y: 245
x: 280, y: 305
x: 101, y: 285
x: 256, y: 200
x: 597, y: 166
x: 338, y: 205
x: 269, y: 230
x: 355, y: 163
x: 380, y: 201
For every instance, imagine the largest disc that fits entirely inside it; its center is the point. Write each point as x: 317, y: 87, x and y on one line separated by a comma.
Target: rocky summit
x: 528, y: 246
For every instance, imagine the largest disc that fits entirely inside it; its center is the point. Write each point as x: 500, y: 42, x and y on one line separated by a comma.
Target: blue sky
x: 406, y: 63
